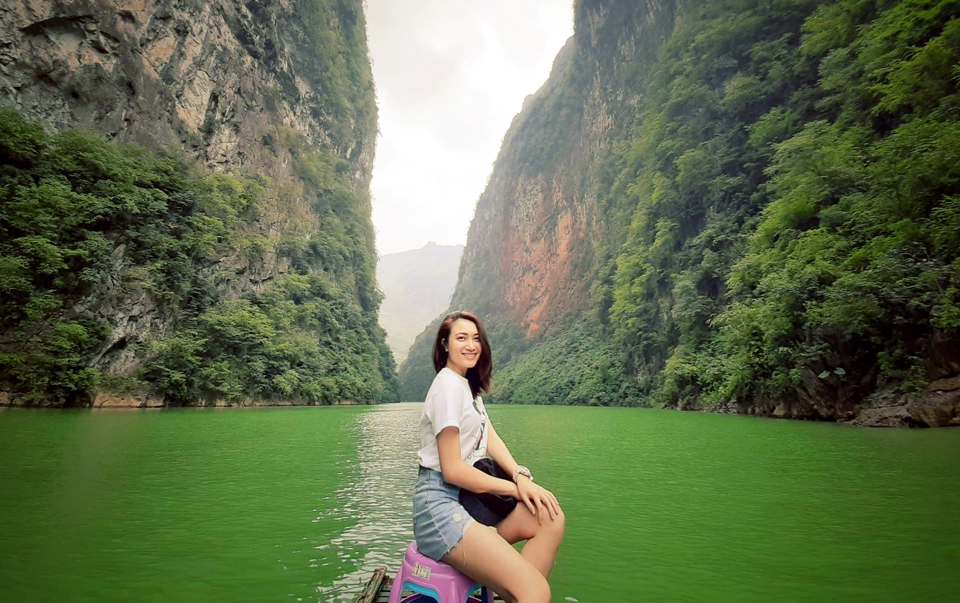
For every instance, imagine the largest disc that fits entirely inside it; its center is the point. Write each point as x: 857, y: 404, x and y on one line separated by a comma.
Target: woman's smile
x: 463, y: 346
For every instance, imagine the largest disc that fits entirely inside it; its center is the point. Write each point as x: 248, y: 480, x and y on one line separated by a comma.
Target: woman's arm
x: 532, y: 495
x: 458, y: 473
x: 498, y: 450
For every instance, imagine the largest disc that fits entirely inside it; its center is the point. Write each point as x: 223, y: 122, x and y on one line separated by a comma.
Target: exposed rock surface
x: 207, y: 77
x: 542, y: 235
x: 216, y: 81
x: 533, y: 244
x: 111, y: 400
x: 929, y: 409
x: 938, y: 406
x: 143, y: 400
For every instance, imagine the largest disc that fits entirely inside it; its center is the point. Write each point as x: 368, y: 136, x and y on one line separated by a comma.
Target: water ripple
x: 378, y: 498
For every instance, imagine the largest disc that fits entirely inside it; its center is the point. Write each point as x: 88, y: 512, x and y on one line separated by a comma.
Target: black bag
x: 489, y: 509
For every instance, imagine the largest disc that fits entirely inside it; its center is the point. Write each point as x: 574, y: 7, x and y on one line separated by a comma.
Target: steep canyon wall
x: 539, y: 233
x: 705, y: 207
x: 275, y: 93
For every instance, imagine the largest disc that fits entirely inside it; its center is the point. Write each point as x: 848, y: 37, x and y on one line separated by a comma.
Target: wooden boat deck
x: 377, y: 589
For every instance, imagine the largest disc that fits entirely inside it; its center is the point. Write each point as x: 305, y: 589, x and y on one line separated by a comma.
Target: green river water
x: 301, y: 504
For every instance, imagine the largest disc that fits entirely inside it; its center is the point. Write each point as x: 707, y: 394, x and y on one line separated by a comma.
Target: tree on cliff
x: 81, y: 216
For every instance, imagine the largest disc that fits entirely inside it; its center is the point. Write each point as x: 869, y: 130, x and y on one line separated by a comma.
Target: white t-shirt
x: 450, y: 403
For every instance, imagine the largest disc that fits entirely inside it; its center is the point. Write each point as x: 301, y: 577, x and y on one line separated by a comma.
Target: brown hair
x: 479, y: 375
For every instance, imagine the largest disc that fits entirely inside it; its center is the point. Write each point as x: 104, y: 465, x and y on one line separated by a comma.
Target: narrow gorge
x: 733, y: 206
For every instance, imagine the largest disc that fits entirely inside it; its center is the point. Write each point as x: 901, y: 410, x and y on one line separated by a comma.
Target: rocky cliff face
x: 533, y: 245
x: 238, y: 87
x: 616, y: 255
x: 539, y: 233
x: 204, y: 77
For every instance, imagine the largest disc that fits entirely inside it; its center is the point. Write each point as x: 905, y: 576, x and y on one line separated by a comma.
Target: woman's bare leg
x: 543, y: 540
x: 490, y: 560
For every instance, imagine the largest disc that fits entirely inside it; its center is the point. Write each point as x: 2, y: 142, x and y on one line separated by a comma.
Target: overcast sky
x: 450, y: 76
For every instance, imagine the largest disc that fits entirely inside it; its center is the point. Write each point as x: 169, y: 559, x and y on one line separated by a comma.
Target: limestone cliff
x: 538, y: 226
x: 206, y: 78
x: 697, y: 211
x: 539, y: 232
x: 276, y: 90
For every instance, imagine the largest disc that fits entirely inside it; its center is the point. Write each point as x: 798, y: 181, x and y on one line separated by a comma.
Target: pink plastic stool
x: 434, y: 580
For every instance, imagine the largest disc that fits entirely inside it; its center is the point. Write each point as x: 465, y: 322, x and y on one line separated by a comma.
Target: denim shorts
x: 439, y: 520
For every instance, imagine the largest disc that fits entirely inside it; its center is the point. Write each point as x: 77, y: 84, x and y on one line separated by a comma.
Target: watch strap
x: 521, y: 470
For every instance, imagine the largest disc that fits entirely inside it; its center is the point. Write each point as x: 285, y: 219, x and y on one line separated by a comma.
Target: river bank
x: 936, y: 406
x: 105, y: 399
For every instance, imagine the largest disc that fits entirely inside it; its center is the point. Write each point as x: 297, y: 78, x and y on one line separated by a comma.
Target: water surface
x: 300, y: 504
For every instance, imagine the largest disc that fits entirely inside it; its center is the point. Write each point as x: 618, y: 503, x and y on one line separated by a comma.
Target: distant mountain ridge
x: 417, y: 286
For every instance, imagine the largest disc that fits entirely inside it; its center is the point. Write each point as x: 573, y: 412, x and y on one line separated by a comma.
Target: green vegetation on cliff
x: 779, y: 208
x: 84, y: 222
x: 795, y: 184
x: 341, y: 72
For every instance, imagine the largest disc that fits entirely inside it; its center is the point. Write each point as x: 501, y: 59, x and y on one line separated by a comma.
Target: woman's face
x: 463, y: 346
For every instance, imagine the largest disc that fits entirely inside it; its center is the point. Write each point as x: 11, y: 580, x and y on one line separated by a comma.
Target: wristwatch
x: 521, y: 470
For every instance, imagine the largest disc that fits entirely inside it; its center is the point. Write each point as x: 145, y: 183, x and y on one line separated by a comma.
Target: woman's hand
x: 537, y: 498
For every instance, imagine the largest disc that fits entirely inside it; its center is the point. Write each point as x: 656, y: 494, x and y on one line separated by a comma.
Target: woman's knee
x: 555, y: 525
x: 552, y: 527
x: 523, y: 525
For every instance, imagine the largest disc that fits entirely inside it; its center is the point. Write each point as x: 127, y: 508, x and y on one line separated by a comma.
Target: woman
x: 455, y: 431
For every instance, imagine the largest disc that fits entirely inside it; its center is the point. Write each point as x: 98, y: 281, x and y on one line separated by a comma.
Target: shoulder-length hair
x: 479, y: 375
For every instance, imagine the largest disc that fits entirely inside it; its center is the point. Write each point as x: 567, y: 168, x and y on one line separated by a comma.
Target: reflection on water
x: 378, y: 498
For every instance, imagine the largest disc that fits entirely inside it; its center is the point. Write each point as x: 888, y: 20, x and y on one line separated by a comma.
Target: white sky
x: 450, y: 76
